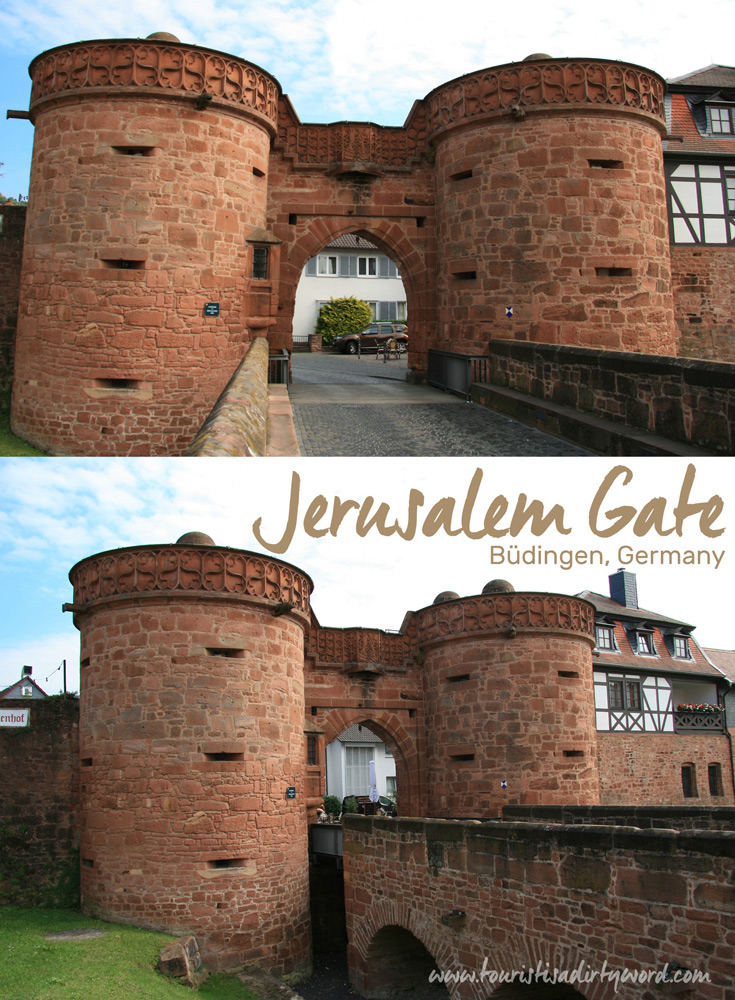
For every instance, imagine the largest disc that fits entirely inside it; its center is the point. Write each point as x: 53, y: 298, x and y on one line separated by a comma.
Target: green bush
x: 341, y: 317
x: 332, y: 805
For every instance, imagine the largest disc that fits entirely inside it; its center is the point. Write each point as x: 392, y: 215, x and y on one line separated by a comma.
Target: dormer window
x: 644, y: 643
x: 605, y: 638
x: 681, y: 647
x: 641, y: 641
x: 720, y: 119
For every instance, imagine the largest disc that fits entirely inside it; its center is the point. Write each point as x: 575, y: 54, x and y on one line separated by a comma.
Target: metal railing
x: 278, y: 368
x: 457, y: 372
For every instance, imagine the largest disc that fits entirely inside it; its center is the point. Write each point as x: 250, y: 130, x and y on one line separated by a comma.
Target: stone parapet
x: 644, y: 817
x: 358, y: 645
x: 187, y: 571
x: 161, y: 68
x: 237, y: 425
x: 506, y: 614
x: 682, y: 399
x: 547, y: 85
x: 510, y: 899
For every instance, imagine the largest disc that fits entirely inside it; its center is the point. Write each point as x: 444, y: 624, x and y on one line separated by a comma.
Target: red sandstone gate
x: 510, y: 199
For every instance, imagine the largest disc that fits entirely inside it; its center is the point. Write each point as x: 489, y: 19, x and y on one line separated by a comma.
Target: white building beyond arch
x: 348, y: 760
x: 349, y: 266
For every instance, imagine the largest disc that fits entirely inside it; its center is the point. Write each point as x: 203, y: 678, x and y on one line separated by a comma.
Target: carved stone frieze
x: 160, y: 67
x: 507, y: 613
x: 166, y: 568
x: 352, y: 142
x: 355, y: 646
x: 546, y: 85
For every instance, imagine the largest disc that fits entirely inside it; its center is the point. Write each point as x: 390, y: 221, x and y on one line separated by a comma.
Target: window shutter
x: 310, y: 270
x: 384, y: 265
x: 347, y: 267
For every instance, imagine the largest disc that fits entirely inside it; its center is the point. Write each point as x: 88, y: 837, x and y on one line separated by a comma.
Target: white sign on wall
x: 10, y: 717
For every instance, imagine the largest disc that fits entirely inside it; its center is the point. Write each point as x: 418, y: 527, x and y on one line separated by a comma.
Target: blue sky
x: 54, y: 512
x: 362, y: 59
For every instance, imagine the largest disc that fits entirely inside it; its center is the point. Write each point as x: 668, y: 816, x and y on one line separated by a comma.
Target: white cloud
x: 55, y: 512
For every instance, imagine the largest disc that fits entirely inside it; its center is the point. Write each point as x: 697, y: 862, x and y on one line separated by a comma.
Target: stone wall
x: 12, y: 226
x: 677, y: 398
x: 646, y: 767
x: 238, y: 423
x: 704, y: 300
x: 39, y: 805
x: 644, y: 817
x: 508, y: 896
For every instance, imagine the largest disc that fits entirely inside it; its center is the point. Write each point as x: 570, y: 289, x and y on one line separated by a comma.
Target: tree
x: 340, y: 317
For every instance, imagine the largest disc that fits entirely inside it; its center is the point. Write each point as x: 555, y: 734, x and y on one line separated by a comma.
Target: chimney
x: 623, y: 588
x: 27, y: 671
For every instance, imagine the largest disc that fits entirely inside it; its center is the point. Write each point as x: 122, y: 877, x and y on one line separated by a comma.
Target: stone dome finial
x: 537, y: 55
x: 446, y: 595
x: 162, y: 36
x: 195, y: 538
x: 498, y: 587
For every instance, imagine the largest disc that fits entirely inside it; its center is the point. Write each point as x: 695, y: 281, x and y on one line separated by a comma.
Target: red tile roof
x: 685, y: 137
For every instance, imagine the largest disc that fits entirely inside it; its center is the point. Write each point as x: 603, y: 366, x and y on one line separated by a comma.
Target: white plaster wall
x: 384, y: 767
x: 313, y: 290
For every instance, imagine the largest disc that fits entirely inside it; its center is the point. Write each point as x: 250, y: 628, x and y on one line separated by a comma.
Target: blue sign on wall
x: 290, y: 792
x: 211, y: 309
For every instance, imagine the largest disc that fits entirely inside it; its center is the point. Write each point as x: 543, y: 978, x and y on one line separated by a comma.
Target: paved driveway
x: 345, y: 406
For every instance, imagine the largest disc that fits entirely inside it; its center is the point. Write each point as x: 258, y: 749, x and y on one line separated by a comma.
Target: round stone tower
x: 147, y: 265
x: 192, y: 747
x: 551, y: 207
x: 509, y: 704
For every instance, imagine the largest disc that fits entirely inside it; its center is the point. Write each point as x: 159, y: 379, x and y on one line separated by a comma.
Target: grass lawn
x: 118, y: 966
x: 9, y: 443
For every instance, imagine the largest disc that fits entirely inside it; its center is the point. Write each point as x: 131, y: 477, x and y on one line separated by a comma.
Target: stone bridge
x: 460, y: 899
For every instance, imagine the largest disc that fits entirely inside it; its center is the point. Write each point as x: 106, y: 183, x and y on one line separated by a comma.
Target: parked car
x: 373, y: 337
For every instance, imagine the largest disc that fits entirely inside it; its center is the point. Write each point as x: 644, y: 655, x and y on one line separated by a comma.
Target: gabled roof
x: 359, y: 734
x: 606, y: 606
x: 725, y: 660
x: 351, y: 241
x: 710, y: 76
x: 686, y: 111
x: 14, y: 691
x: 686, y: 119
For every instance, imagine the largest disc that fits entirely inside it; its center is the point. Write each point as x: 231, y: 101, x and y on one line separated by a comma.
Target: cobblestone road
x: 345, y: 406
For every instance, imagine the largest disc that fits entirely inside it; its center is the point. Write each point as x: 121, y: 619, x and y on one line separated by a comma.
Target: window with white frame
x: 357, y: 769
x: 720, y: 119
x: 605, y: 637
x: 702, y: 203
x: 643, y: 643
x: 367, y: 267
x: 327, y: 264
x: 681, y: 647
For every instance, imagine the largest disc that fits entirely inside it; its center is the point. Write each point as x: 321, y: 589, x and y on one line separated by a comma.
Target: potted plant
x: 332, y: 807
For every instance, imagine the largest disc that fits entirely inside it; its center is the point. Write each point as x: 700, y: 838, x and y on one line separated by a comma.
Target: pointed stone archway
x: 392, y: 239
x: 406, y: 751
